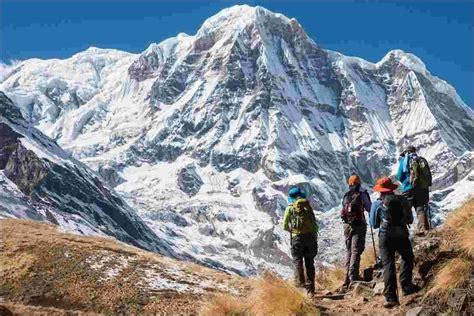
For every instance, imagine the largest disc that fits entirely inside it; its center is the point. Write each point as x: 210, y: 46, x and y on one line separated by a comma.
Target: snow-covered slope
x: 204, y: 134
x: 40, y: 181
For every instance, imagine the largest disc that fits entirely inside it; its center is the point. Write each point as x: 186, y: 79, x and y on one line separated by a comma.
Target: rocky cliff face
x: 212, y: 129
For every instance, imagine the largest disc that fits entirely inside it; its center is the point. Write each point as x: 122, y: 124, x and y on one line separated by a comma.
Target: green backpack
x: 420, y: 173
x: 301, y: 217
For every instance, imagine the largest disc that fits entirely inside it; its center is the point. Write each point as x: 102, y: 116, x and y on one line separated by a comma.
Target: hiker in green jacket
x: 300, y: 221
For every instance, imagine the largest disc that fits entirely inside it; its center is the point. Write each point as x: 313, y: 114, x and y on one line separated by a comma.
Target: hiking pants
x: 419, y: 199
x: 304, y: 248
x: 388, y: 246
x: 355, y: 245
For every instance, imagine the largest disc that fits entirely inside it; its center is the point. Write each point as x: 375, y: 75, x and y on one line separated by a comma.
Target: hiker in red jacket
x: 354, y: 203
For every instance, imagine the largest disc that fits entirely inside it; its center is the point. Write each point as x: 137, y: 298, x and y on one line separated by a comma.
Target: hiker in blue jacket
x: 415, y: 176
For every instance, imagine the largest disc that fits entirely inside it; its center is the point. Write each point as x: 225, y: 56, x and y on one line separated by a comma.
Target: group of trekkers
x: 391, y: 213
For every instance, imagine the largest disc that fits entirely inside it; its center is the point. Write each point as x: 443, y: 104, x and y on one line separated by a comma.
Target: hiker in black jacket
x: 391, y: 213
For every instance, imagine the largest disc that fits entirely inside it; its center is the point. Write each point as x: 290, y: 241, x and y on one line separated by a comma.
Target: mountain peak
x: 407, y: 59
x: 238, y: 17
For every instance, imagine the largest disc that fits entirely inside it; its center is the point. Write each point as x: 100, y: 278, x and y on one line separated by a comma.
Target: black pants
x: 304, y: 248
x: 389, y: 244
x: 419, y: 199
x: 355, y: 245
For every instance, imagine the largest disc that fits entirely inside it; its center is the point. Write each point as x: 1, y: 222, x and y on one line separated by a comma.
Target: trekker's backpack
x: 352, y: 211
x: 302, y: 218
x: 395, y: 212
x: 420, y: 173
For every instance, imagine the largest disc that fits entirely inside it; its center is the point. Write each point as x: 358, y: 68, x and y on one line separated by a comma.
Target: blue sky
x: 440, y: 33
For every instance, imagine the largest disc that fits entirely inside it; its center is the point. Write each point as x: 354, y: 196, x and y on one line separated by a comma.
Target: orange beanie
x: 353, y: 180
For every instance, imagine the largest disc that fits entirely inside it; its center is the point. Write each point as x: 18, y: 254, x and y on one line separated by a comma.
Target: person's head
x: 385, y: 186
x: 353, y: 180
x: 295, y: 193
x: 408, y: 150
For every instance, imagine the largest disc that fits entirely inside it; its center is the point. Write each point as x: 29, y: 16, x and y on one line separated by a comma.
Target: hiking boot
x: 391, y: 303
x: 412, y: 289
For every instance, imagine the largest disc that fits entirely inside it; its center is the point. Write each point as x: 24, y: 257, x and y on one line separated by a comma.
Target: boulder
x: 415, y: 311
x: 458, y: 300
x: 362, y: 289
x: 378, y: 289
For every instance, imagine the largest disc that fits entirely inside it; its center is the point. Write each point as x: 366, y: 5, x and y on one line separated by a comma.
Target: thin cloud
x: 7, y: 68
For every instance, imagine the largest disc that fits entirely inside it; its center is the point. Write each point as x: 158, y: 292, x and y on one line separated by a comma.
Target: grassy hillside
x: 43, y: 267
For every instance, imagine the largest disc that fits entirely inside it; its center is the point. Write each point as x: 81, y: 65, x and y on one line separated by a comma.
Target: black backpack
x: 394, y: 211
x: 352, y: 211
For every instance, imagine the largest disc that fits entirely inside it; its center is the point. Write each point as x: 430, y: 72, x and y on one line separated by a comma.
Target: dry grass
x: 457, y: 227
x: 330, y: 278
x: 225, y: 305
x: 273, y: 296
x: 269, y: 295
x: 451, y: 275
x: 368, y: 258
x: 458, y: 238
x: 466, y: 242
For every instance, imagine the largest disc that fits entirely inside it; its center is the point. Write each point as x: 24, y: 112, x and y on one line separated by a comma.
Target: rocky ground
x: 443, y: 269
x: 365, y: 297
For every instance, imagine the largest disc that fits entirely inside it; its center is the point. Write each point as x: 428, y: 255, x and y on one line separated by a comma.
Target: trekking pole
x: 373, y: 244
x: 428, y: 214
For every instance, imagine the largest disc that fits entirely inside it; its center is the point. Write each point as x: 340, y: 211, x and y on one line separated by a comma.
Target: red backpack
x: 352, y: 211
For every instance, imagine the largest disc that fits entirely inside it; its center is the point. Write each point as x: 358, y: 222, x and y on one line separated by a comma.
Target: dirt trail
x: 355, y: 303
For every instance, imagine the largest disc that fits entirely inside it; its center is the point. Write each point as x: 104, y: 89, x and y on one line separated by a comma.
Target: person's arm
x: 429, y: 173
x: 366, y: 201
x: 407, y: 211
x: 374, y: 219
x: 316, y: 227
x: 400, y: 174
x: 286, y: 219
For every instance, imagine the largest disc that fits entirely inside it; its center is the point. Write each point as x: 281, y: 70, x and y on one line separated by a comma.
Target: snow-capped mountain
x: 203, y: 135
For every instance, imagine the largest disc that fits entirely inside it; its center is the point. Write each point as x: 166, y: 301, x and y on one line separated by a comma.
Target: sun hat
x: 385, y: 185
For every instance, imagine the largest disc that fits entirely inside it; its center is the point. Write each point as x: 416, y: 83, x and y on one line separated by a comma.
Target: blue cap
x: 294, y: 193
